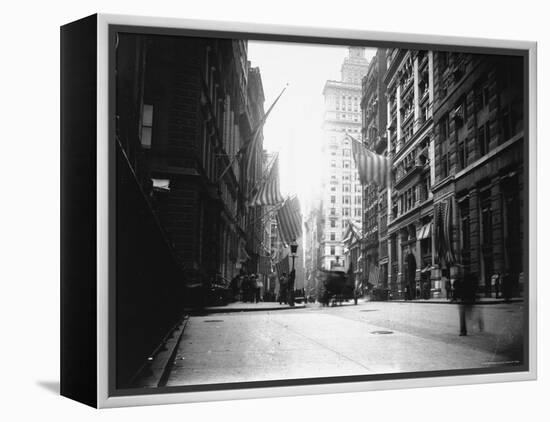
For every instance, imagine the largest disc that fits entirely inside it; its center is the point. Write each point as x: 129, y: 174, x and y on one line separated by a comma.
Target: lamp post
x: 292, y: 278
x: 293, y: 250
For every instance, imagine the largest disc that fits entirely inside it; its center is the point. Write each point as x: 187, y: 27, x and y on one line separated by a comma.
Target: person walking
x: 466, y: 294
x: 258, y: 285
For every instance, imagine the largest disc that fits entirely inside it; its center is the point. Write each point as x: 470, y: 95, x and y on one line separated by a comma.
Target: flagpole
x: 253, y: 136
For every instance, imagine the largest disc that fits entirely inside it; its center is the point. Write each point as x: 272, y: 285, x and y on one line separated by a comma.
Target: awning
x: 425, y: 231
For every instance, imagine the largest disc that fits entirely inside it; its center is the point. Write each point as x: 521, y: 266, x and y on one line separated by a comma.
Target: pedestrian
x: 283, y: 289
x: 235, y: 288
x: 466, y: 294
x: 245, y: 288
x: 447, y: 284
x: 258, y: 285
x: 291, y: 280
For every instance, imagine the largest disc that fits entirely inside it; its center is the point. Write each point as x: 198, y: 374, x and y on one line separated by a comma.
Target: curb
x: 447, y: 302
x: 155, y: 372
x: 207, y: 311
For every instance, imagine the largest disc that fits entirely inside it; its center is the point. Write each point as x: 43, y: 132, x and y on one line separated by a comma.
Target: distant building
x: 341, y: 193
x: 312, y: 240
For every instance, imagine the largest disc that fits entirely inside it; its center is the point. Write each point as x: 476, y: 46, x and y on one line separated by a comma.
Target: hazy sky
x: 294, y: 126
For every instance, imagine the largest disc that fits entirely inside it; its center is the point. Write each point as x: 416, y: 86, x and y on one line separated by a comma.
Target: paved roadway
x: 370, y: 338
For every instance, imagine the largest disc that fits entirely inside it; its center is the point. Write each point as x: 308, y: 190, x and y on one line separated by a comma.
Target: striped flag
x: 372, y: 168
x: 444, y: 226
x: 282, y: 266
x: 265, y: 265
x: 289, y: 220
x: 450, y: 257
x: 269, y: 192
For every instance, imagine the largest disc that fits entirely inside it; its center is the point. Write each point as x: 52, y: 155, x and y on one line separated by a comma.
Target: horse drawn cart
x: 335, y: 287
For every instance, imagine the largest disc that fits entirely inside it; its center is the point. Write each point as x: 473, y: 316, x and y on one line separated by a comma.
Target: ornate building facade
x: 410, y: 95
x: 341, y: 190
x: 454, y: 206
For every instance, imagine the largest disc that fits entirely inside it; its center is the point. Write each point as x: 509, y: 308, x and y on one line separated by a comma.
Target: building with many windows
x: 410, y: 96
x: 341, y: 192
x: 479, y: 187
x: 182, y: 114
x: 454, y: 205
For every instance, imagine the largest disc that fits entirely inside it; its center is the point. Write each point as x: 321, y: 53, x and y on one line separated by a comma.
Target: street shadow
x: 51, y: 386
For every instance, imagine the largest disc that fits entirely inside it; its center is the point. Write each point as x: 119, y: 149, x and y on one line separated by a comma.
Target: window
x: 346, y: 188
x: 444, y: 128
x: 332, y: 163
x: 333, y: 199
x: 333, y: 211
x: 346, y: 199
x: 333, y: 250
x: 333, y: 236
x: 483, y: 137
x: 345, y: 164
x: 358, y: 200
x: 345, y: 212
x: 147, y: 126
x: 445, y: 163
x: 333, y: 188
x: 357, y: 212
x: 332, y: 223
x: 462, y: 154
x: 346, y: 152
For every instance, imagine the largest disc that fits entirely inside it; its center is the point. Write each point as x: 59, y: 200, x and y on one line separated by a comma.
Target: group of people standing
x: 286, y: 288
x: 247, y: 288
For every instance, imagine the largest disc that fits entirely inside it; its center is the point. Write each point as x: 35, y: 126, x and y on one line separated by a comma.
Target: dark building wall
x: 479, y: 154
x: 181, y: 116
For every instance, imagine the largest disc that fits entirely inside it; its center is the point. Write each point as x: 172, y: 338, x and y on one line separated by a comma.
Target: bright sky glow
x: 294, y: 126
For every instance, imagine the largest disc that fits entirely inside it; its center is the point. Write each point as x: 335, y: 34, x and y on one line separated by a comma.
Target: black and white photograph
x: 275, y: 211
x: 290, y: 212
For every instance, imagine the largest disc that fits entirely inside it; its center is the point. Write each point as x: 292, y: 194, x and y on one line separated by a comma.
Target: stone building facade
x: 410, y: 96
x: 479, y: 171
x: 341, y: 190
x: 456, y: 194
x: 374, y: 245
x: 185, y: 106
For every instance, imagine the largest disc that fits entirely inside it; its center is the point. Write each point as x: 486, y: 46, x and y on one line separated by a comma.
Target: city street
x: 370, y: 338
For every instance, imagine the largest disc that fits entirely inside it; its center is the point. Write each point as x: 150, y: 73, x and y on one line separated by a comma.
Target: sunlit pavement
x: 370, y: 338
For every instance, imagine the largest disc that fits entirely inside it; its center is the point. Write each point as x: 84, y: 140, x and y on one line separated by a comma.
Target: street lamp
x: 293, y: 250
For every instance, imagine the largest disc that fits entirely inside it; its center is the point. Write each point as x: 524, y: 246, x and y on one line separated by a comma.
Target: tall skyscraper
x: 341, y: 192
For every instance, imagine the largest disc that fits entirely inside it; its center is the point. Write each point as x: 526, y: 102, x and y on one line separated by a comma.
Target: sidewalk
x: 248, y: 307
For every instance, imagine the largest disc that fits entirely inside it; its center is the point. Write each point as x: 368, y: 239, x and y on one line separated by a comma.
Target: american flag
x: 265, y: 265
x: 269, y: 192
x: 372, y: 168
x: 282, y: 266
x: 289, y: 220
